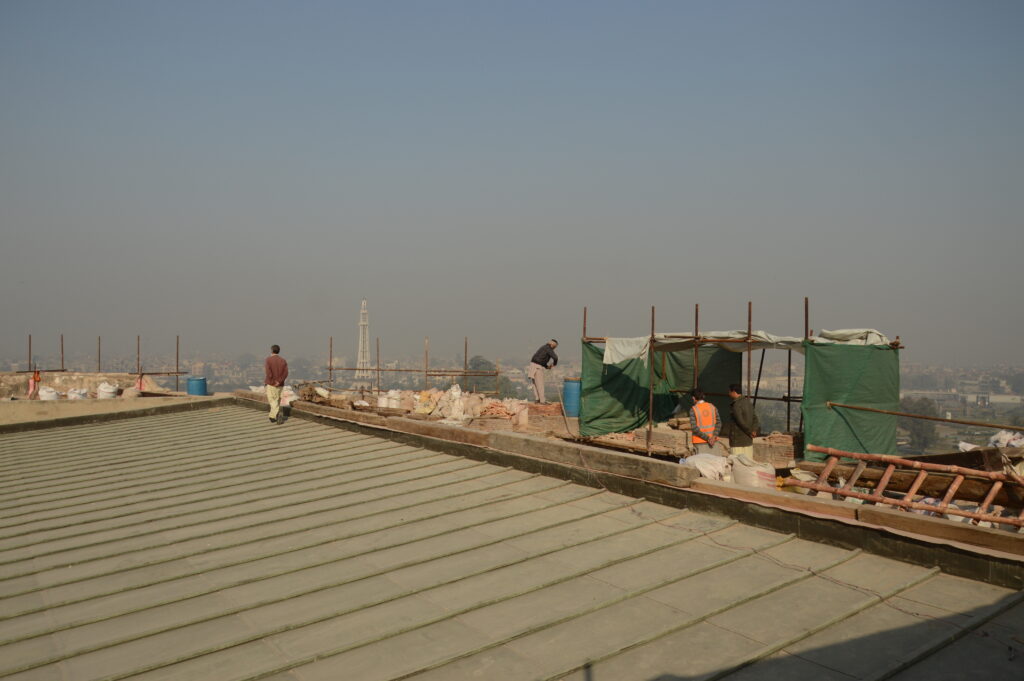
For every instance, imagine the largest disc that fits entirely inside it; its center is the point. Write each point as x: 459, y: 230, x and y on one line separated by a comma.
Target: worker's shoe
x: 273, y: 421
x: 280, y: 417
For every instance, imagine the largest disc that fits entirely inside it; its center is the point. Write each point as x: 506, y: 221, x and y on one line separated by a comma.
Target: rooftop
x: 211, y: 544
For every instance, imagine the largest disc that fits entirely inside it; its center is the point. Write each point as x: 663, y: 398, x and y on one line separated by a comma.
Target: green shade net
x: 614, y: 397
x: 858, y: 375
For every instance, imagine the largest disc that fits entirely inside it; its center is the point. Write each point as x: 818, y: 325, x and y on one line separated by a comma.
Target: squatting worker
x: 705, y: 424
x: 276, y: 373
x: 741, y: 422
x: 538, y: 365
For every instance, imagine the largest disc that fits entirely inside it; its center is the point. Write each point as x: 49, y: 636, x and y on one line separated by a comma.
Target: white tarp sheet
x: 621, y: 349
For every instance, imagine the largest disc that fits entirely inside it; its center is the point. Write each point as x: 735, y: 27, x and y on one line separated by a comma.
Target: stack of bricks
x: 779, y: 449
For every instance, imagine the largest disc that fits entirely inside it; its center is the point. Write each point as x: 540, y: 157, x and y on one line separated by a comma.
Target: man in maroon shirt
x: 276, y: 370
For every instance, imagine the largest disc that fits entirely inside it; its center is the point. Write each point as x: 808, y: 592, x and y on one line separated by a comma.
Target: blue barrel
x: 571, y: 397
x: 197, y: 385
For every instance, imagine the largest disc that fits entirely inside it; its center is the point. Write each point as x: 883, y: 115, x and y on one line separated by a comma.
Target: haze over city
x: 244, y: 173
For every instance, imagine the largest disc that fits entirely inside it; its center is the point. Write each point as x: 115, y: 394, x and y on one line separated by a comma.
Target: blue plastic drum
x: 571, y: 397
x: 197, y: 385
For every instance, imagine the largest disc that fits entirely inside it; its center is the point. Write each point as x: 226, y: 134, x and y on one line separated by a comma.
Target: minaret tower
x: 363, y: 363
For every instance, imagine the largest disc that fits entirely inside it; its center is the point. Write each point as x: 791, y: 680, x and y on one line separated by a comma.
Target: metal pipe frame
x: 789, y: 398
x: 699, y: 340
x: 99, y: 366
x: 32, y: 370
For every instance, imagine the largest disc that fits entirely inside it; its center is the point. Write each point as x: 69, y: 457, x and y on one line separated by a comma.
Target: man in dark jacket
x: 741, y: 422
x: 538, y: 365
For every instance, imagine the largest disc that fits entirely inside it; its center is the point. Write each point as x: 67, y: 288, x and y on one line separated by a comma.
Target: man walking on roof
x: 705, y: 424
x: 276, y: 373
x: 538, y: 365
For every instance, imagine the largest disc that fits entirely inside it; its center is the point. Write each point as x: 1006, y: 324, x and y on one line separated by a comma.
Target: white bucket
x: 48, y: 394
x: 105, y: 391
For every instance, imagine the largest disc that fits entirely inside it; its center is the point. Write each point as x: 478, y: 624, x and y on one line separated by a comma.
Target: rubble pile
x: 450, y: 406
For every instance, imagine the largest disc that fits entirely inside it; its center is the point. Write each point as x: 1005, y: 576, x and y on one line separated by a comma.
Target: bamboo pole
x: 940, y: 419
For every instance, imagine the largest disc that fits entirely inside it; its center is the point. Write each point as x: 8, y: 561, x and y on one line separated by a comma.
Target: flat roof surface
x: 213, y: 544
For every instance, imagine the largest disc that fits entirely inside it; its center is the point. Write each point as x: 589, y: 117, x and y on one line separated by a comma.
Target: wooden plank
x: 771, y: 497
x: 999, y: 540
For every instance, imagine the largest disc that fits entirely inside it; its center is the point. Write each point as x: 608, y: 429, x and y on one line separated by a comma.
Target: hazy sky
x: 243, y: 173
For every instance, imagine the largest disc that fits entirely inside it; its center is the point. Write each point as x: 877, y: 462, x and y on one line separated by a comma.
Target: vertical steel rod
x: 138, y: 354
x: 650, y: 387
x: 584, y: 322
x: 789, y: 387
x: 29, y: 367
x: 465, y: 353
x: 99, y: 344
x: 750, y: 330
x: 696, y: 342
x: 807, y: 334
x: 426, y: 363
x: 330, y: 362
x: 757, y: 386
x: 177, y: 355
x: 807, y: 318
x: 62, y: 352
x: 378, y: 363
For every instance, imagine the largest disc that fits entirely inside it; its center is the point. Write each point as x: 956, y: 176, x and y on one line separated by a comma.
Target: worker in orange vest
x: 705, y: 424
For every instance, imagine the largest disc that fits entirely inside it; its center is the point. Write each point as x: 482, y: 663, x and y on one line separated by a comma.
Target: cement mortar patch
x: 21, y: 416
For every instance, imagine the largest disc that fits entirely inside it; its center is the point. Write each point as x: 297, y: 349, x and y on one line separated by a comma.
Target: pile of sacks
x: 452, y: 405
x: 104, y: 391
x: 288, y: 394
x: 1004, y: 438
x: 736, y: 468
x: 455, y: 405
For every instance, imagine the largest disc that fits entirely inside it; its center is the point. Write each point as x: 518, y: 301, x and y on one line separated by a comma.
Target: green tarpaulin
x: 614, y: 397
x: 863, y: 376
